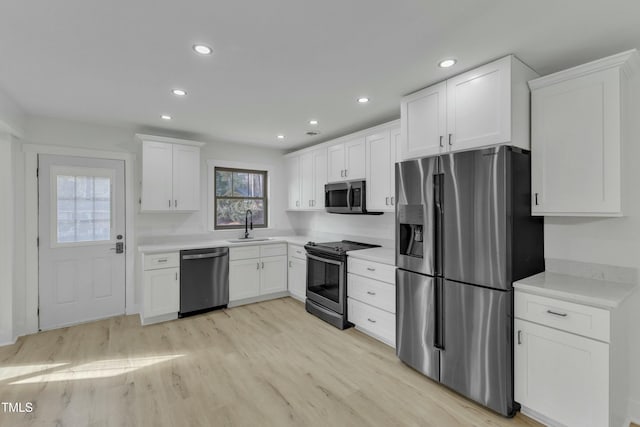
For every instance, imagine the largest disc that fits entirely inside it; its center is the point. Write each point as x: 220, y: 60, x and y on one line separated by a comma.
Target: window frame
x: 265, y: 195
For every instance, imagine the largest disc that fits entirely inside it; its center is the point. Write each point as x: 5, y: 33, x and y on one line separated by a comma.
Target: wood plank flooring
x: 265, y: 364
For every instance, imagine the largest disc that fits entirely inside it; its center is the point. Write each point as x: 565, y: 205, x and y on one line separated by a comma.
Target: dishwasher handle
x: 202, y: 256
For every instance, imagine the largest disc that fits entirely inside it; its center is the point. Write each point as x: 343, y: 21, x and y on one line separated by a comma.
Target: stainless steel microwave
x: 348, y: 197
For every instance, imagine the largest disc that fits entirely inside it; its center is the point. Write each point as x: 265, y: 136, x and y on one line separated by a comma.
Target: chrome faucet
x: 246, y: 230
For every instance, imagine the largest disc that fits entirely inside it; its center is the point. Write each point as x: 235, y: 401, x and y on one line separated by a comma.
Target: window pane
x: 240, y: 184
x: 255, y: 185
x: 232, y: 212
x: 223, y: 183
x: 83, y: 208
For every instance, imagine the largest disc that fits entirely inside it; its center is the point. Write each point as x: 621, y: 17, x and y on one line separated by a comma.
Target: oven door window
x: 323, y: 279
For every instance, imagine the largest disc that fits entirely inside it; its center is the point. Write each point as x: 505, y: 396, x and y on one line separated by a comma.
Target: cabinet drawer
x: 273, y: 250
x: 244, y: 252
x: 378, y: 322
x: 373, y: 292
x: 579, y: 319
x: 374, y: 270
x: 297, y: 252
x: 155, y: 261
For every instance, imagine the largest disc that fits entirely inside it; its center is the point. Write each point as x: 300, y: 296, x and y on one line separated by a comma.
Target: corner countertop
x: 200, y: 244
x: 381, y: 255
x: 597, y: 293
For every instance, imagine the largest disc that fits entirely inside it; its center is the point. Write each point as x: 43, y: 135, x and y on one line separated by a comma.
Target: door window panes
x: 83, y: 208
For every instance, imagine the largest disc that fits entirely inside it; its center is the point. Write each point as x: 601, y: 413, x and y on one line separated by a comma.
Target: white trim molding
x: 31, y: 152
x: 155, y: 138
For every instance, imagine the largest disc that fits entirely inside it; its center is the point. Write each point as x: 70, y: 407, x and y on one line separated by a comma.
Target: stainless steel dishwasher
x: 204, y: 280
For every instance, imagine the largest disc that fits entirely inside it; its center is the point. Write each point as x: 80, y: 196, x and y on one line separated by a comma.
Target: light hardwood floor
x: 258, y: 365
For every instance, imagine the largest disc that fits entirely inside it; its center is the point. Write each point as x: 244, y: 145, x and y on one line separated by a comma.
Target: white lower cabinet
x: 161, y: 288
x: 568, y: 365
x: 257, y: 271
x: 371, y: 302
x: 297, y: 272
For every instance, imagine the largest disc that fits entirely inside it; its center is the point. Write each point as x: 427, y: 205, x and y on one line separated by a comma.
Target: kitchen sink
x: 250, y: 239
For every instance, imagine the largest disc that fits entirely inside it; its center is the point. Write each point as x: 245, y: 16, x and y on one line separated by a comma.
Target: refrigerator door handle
x: 438, y: 215
x: 438, y: 302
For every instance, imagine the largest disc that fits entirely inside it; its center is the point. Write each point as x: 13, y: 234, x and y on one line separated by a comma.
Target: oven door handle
x: 330, y: 261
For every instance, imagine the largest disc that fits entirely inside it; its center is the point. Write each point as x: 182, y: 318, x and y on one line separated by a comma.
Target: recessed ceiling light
x: 446, y: 63
x: 165, y: 117
x: 280, y: 136
x: 313, y: 122
x: 363, y: 100
x: 179, y: 92
x: 202, y: 49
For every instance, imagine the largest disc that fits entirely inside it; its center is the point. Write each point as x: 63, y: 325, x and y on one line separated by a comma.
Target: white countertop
x: 597, y: 293
x: 381, y: 255
x: 199, y: 244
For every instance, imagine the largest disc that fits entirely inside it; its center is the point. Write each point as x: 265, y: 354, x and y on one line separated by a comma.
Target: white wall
x: 12, y: 118
x: 378, y: 229
x: 612, y: 241
x: 6, y: 239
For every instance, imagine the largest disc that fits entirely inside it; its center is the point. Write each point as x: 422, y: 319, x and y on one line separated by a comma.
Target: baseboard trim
x: 633, y: 413
x: 260, y: 298
x: 539, y: 417
x: 6, y: 342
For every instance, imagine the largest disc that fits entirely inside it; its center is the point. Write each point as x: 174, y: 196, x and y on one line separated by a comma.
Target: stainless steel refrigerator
x: 464, y: 233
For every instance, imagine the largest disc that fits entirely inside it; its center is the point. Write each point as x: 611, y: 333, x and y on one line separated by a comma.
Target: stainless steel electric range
x: 327, y: 280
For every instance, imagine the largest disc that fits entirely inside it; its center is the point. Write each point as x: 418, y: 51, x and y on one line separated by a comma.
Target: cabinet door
x: 186, y: 178
x: 157, y: 176
x: 274, y: 274
x: 562, y: 376
x: 396, y: 156
x: 575, y: 153
x: 479, y: 106
x: 161, y: 291
x: 244, y: 279
x: 335, y: 163
x: 293, y: 173
x: 319, y: 177
x: 306, y: 181
x: 378, y: 165
x: 298, y: 278
x: 355, y: 159
x: 423, y: 119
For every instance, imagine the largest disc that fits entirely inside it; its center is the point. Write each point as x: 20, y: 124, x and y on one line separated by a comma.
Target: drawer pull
x: 371, y: 293
x: 371, y: 320
x: 371, y: 269
x: 519, y: 337
x: 162, y: 260
x: 557, y: 314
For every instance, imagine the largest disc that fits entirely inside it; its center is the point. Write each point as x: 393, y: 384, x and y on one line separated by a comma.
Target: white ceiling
x: 278, y: 63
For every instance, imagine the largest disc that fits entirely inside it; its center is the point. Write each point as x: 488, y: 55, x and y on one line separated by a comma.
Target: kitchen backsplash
x: 588, y: 270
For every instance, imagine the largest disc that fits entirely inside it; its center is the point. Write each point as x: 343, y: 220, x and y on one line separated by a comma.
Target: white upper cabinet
x: 424, y: 121
x: 577, y: 129
x: 381, y: 149
x: 485, y: 106
x: 170, y: 174
x: 346, y: 161
x: 293, y: 173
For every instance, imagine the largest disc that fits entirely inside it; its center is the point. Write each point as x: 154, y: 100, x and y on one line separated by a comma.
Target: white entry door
x: 81, y: 232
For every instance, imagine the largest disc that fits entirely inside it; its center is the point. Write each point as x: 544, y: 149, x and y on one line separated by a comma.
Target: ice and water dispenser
x: 411, y: 230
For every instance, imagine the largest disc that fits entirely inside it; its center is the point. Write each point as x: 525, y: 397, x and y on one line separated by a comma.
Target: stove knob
x: 311, y: 243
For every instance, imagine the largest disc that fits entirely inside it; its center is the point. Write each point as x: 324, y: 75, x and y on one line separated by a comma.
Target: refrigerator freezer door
x: 477, y: 359
x: 415, y: 215
x: 415, y: 322
x: 475, y: 217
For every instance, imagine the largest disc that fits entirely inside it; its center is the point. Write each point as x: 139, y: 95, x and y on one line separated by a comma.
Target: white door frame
x: 31, y: 152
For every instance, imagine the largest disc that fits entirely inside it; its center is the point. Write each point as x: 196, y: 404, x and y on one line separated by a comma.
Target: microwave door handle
x: 349, y: 196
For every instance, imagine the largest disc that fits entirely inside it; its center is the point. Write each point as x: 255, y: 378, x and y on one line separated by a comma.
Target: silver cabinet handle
x: 346, y: 173
x: 176, y: 277
x: 519, y: 337
x: 371, y: 269
x: 257, y: 266
x: 162, y: 260
x: 371, y: 293
x: 290, y: 266
x: 342, y: 173
x: 441, y: 142
x: 450, y: 142
x: 297, y: 203
x: 392, y: 201
x: 310, y: 203
x: 371, y: 320
x: 175, y: 203
x: 299, y: 252
x: 169, y: 203
x: 555, y: 313
x: 536, y: 196
x: 386, y: 201
x: 263, y: 265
